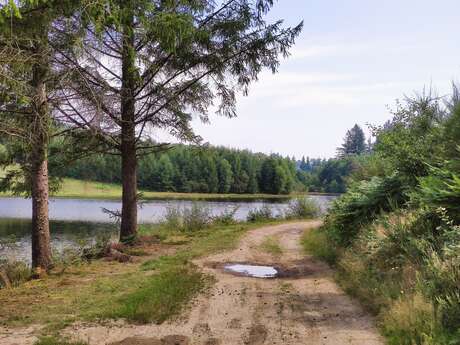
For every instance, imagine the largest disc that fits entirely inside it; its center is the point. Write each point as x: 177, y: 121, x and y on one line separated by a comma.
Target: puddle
x: 252, y: 270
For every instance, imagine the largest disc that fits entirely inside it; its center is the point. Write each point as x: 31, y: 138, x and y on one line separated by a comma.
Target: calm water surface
x: 77, y: 221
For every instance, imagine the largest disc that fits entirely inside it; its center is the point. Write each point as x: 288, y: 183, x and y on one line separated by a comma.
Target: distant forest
x: 211, y: 169
x: 198, y: 169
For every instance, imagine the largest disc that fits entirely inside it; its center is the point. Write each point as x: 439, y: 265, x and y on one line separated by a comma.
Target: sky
x: 353, y: 60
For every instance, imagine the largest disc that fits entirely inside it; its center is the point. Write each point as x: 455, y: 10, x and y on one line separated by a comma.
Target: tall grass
x: 302, y: 208
x: 262, y: 214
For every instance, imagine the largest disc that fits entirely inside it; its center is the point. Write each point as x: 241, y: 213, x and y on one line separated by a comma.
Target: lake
x: 77, y: 221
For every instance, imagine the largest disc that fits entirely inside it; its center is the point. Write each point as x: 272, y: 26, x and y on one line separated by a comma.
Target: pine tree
x: 354, y: 143
x: 27, y: 79
x: 150, y: 64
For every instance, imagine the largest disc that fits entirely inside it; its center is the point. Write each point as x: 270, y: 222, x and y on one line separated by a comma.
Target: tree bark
x: 128, y: 229
x: 41, y: 248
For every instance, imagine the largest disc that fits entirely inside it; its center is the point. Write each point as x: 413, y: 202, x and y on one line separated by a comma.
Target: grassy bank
x: 78, y: 189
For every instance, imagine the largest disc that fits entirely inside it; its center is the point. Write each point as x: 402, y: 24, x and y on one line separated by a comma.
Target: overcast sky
x: 353, y: 59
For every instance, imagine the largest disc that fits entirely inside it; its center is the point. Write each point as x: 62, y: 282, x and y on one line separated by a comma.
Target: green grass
x: 161, y: 296
x: 315, y: 242
x: 271, y: 246
x: 72, y: 188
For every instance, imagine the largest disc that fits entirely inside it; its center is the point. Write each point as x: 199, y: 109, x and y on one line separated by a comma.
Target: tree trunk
x: 41, y: 248
x: 128, y: 230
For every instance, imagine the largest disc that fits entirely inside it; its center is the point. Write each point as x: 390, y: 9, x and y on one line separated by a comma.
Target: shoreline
x: 77, y: 189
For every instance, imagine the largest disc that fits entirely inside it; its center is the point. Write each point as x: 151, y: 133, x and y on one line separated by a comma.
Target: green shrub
x: 440, y: 189
x: 361, y: 205
x: 302, y: 208
x: 188, y: 219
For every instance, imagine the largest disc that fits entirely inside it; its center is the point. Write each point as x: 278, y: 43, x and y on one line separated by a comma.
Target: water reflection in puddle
x: 252, y: 270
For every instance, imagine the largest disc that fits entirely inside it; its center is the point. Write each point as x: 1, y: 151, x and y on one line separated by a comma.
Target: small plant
x: 262, y: 214
x: 189, y: 219
x: 227, y: 217
x: 173, y: 218
x: 196, y: 218
x: 302, y: 208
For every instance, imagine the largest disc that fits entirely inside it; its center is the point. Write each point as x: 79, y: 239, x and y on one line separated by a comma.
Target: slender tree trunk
x: 128, y: 230
x: 41, y: 248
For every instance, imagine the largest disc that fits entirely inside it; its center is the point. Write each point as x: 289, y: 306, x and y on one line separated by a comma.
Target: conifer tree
x: 149, y: 65
x: 27, y: 82
x: 354, y: 142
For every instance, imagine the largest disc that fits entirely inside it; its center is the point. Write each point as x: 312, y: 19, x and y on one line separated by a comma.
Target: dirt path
x: 307, y: 308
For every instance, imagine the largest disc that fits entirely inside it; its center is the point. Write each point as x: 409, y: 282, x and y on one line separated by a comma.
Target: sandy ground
x: 306, y: 307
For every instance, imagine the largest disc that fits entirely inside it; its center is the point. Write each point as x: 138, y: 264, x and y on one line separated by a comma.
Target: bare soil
x: 302, y: 306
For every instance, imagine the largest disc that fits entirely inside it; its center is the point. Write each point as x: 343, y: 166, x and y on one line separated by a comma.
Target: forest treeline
x: 187, y: 169
x: 208, y: 169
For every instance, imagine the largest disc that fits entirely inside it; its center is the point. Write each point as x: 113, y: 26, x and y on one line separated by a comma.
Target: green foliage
x: 316, y: 242
x: 302, y: 208
x: 188, y: 219
x: 354, y: 143
x: 325, y: 176
x: 361, y: 205
x: 191, y: 169
x: 440, y: 189
x: 412, y: 140
x: 397, y: 227
x: 277, y: 176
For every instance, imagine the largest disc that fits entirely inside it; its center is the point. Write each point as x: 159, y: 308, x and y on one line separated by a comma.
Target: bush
x: 261, y: 214
x: 189, y: 219
x: 302, y: 208
x: 196, y: 218
x: 361, y: 205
